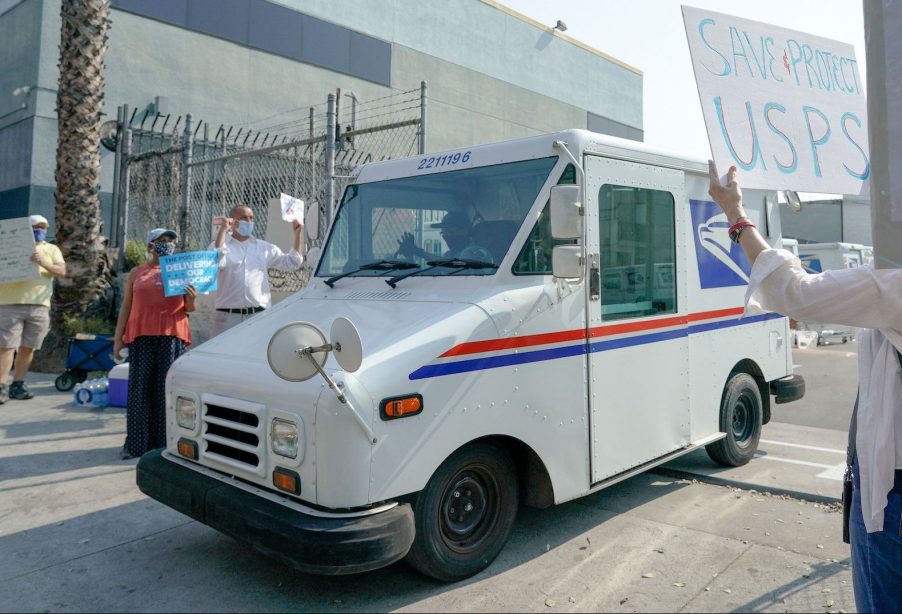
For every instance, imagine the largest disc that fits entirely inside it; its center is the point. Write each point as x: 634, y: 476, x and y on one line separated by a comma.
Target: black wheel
x: 845, y: 339
x: 65, y: 382
x: 741, y: 419
x: 465, y: 514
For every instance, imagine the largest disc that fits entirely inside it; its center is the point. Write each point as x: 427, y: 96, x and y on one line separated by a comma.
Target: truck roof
x: 578, y: 141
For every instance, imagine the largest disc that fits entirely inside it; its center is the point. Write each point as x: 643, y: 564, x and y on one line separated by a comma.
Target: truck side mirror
x: 566, y: 261
x: 566, y: 221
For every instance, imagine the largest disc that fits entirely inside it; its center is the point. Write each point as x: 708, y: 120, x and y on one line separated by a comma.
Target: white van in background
x: 404, y: 404
x: 820, y: 257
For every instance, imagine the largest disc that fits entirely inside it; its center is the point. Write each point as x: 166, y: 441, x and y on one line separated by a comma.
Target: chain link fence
x: 182, y: 177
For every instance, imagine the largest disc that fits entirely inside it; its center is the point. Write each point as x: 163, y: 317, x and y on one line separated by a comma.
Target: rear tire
x: 65, y: 382
x: 465, y: 514
x: 740, y: 418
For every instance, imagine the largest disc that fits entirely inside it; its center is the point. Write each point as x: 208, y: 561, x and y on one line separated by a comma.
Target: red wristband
x: 736, y: 229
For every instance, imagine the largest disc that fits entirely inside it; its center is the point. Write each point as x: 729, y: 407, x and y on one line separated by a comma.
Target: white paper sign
x: 292, y: 208
x: 17, y: 239
x: 786, y: 108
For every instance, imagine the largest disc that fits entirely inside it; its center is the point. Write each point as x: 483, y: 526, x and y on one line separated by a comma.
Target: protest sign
x: 17, y: 239
x: 292, y: 208
x: 198, y: 269
x: 786, y: 108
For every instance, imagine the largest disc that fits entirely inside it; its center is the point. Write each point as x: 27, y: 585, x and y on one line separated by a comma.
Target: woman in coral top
x: 155, y: 329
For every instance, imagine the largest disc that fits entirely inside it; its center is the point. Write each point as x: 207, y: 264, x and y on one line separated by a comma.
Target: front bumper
x: 787, y: 389
x: 314, y: 544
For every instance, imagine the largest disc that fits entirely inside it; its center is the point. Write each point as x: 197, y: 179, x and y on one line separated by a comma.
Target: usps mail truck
x: 521, y: 323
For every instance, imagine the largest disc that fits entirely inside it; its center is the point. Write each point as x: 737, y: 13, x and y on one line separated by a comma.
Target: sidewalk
x: 77, y: 535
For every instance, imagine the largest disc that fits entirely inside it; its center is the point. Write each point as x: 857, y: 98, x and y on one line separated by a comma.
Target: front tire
x: 465, y: 514
x: 740, y: 418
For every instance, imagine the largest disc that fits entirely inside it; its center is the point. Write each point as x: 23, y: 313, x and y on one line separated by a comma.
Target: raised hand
x: 407, y: 246
x: 728, y: 196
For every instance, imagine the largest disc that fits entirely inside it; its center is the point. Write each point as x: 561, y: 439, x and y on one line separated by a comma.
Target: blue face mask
x: 164, y: 249
x: 245, y: 228
x: 40, y: 235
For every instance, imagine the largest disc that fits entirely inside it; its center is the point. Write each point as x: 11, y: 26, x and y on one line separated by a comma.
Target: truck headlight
x: 284, y: 438
x: 186, y: 413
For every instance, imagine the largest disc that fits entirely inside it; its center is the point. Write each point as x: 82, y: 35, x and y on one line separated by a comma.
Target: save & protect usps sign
x: 198, y: 269
x: 721, y: 262
x: 785, y: 107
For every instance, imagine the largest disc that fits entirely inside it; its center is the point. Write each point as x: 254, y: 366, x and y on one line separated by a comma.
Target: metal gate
x: 181, y: 177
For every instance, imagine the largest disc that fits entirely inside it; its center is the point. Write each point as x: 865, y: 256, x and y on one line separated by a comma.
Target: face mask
x: 164, y: 249
x: 245, y: 228
x: 40, y: 235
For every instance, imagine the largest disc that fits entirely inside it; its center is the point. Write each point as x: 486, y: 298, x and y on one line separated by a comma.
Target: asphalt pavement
x: 77, y: 535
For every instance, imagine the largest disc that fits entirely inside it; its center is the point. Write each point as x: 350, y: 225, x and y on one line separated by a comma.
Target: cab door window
x: 637, y: 241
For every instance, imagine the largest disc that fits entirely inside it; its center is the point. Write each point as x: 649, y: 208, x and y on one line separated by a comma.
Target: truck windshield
x: 471, y: 214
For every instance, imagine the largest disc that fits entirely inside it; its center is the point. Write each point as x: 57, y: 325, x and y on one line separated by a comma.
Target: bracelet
x: 737, y: 228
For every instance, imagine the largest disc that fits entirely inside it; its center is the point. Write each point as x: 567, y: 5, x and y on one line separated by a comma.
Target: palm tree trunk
x: 83, y: 43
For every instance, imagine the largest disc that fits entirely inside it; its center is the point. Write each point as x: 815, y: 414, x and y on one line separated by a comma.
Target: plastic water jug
x: 82, y: 395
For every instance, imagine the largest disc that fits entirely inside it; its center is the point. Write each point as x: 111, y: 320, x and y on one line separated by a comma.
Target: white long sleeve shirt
x: 863, y: 297
x: 244, y: 271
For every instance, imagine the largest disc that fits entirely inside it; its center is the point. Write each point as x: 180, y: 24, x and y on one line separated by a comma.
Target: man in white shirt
x: 244, y: 263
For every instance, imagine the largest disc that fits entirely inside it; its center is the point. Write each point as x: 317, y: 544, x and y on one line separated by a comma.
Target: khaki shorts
x: 23, y: 326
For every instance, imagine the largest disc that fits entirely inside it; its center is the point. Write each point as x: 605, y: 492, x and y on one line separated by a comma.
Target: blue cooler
x: 118, y: 386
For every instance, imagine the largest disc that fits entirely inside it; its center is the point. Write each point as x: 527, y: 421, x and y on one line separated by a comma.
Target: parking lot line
x: 803, y: 446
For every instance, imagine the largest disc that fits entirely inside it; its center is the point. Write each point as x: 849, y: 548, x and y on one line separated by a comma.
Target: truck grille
x: 232, y: 436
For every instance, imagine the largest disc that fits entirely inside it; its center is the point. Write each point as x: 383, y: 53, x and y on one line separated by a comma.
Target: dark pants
x: 877, y: 557
x: 149, y: 359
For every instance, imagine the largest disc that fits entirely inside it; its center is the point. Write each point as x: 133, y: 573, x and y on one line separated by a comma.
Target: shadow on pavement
x: 819, y: 572
x: 51, y: 427
x: 108, y: 554
x: 46, y: 463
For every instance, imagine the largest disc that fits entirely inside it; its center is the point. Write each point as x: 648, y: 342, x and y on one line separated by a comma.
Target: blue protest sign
x: 198, y: 269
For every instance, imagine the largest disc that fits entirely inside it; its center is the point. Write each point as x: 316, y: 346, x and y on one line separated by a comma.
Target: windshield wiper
x: 453, y: 263
x: 381, y: 265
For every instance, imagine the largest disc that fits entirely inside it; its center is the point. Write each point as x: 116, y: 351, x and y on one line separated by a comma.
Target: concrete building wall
x: 492, y: 75
x: 829, y: 221
x: 487, y: 38
x: 856, y: 221
x: 20, y: 26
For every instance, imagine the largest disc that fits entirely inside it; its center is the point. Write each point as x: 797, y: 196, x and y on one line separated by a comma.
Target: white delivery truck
x: 819, y: 257
x: 586, y: 327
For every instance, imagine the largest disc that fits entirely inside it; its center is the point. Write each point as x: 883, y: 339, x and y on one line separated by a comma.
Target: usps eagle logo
x: 721, y: 262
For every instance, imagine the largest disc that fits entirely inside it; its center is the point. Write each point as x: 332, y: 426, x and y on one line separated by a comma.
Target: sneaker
x: 19, y: 391
x: 4, y: 394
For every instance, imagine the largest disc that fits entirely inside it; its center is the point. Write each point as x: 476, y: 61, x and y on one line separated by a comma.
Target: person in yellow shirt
x: 25, y: 313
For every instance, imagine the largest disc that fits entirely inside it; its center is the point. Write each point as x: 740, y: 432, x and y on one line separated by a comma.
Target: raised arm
x: 729, y: 197
x: 124, y: 312
x: 862, y: 296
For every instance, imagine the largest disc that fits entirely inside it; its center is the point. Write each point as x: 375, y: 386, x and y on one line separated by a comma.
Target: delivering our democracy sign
x: 785, y: 107
x: 198, y: 269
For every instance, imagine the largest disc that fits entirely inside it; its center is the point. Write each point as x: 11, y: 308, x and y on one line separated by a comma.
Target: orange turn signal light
x: 286, y: 480
x: 401, y: 407
x: 187, y: 448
